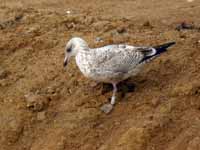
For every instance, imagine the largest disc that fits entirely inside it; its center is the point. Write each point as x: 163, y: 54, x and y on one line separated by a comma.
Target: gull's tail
x: 151, y: 53
x: 162, y: 48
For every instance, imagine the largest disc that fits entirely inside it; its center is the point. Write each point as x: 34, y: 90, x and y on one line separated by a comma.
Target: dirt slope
x: 45, y: 107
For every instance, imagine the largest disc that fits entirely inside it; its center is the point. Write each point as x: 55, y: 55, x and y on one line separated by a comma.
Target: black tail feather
x: 163, y: 47
x: 159, y: 49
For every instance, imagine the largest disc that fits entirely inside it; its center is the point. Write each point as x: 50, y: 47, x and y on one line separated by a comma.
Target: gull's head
x: 72, y: 48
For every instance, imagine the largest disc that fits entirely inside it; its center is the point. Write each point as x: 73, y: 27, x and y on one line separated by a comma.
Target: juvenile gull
x: 112, y: 63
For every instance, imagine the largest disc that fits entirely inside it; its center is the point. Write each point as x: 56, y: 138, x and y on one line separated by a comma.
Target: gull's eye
x: 69, y: 50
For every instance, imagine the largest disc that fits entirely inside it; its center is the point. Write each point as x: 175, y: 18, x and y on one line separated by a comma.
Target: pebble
x: 155, y: 102
x: 51, y: 90
x: 4, y: 82
x: 117, y: 123
x: 98, y: 39
x: 32, y: 30
x: 36, y: 102
x: 121, y: 30
x: 41, y: 115
x: 68, y: 12
x: 147, y: 24
x: 3, y: 73
x: 185, y: 26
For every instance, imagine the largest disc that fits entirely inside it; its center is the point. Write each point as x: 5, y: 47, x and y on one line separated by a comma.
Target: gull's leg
x: 108, y: 107
x: 114, y: 94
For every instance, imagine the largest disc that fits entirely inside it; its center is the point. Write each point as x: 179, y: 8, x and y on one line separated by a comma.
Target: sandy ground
x: 46, y: 107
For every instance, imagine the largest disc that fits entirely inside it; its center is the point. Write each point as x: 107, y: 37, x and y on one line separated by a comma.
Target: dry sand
x: 46, y: 107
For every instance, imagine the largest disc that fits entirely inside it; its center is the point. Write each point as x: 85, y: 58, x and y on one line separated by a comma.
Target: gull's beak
x: 65, y: 61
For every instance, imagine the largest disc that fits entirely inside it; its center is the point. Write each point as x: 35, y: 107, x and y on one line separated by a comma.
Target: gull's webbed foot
x: 107, y: 108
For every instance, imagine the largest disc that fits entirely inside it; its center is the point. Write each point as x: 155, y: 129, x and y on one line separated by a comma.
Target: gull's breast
x: 87, y: 64
x: 84, y: 63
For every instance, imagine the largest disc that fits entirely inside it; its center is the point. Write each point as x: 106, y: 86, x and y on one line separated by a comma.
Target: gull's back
x: 114, y: 62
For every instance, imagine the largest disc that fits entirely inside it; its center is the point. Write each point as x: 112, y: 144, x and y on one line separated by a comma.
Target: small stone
x: 36, y: 102
x: 3, y: 73
x: 185, y: 26
x: 183, y: 36
x: 32, y: 30
x: 18, y: 17
x: 41, y: 115
x: 151, y: 117
x: 68, y: 12
x: 98, y: 39
x: 147, y: 24
x: 69, y: 91
x: 117, y: 123
x: 51, y: 90
x: 4, y: 82
x: 155, y: 102
x: 121, y: 30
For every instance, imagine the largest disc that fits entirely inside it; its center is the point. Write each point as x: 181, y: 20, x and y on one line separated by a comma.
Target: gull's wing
x: 119, y: 58
x: 124, y: 58
x: 117, y: 62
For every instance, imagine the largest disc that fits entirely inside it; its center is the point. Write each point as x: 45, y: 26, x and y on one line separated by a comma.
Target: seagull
x: 111, y: 63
